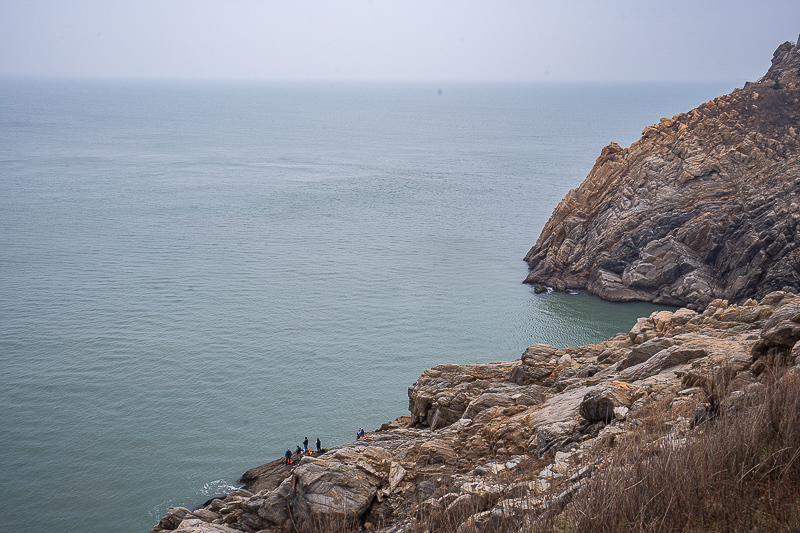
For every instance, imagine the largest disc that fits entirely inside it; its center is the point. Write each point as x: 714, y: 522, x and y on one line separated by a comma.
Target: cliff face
x: 705, y: 205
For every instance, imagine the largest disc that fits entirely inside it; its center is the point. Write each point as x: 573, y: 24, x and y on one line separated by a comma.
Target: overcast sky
x: 558, y: 40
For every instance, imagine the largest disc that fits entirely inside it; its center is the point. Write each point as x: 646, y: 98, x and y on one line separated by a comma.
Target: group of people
x: 300, y: 452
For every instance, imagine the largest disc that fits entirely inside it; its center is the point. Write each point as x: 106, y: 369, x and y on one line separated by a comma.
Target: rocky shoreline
x: 511, y: 440
x: 704, y: 212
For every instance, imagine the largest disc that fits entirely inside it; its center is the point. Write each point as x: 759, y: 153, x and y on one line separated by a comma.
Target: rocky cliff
x: 705, y: 205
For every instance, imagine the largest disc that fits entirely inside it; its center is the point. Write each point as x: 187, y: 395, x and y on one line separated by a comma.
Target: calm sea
x: 194, y: 277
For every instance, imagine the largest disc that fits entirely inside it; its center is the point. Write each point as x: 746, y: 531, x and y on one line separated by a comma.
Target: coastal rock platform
x: 518, y: 438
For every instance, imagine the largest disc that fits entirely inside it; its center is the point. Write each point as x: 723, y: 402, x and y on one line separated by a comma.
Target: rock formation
x: 510, y: 440
x: 705, y: 205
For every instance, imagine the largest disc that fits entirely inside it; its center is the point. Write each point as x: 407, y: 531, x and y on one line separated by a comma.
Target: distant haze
x: 498, y: 40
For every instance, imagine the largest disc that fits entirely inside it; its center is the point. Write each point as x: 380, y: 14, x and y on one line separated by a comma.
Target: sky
x: 408, y: 40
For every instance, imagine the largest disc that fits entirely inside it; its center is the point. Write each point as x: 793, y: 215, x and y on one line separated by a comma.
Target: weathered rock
x: 442, y: 394
x: 705, y: 205
x: 496, y: 445
x: 783, y: 327
x: 172, y: 519
x: 645, y: 351
x: 664, y: 359
x: 195, y: 525
x: 601, y: 403
x: 469, y: 467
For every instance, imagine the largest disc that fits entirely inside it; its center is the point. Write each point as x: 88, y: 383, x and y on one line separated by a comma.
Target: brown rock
x: 703, y: 206
x: 598, y: 405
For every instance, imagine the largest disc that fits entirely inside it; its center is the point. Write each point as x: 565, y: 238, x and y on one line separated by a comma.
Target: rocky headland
x: 705, y: 205
x: 701, y: 212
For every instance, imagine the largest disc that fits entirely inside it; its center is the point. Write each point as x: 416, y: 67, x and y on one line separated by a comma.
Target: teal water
x: 195, y: 277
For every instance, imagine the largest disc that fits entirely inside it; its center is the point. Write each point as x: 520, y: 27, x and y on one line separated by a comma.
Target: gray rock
x: 645, y: 351
x: 705, y: 205
x: 599, y: 404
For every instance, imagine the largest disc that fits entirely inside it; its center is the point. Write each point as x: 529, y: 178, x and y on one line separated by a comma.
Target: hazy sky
x: 559, y: 40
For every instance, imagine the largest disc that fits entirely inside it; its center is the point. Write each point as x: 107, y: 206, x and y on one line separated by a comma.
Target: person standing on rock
x: 288, y: 456
x: 319, y: 446
x: 299, y: 452
x: 305, y: 444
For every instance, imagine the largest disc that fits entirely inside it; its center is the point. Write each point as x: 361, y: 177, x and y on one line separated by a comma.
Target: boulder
x: 783, y: 327
x: 342, y: 483
x: 645, y: 351
x: 599, y: 404
x: 667, y: 358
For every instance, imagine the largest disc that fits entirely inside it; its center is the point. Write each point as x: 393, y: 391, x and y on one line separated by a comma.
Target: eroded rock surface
x: 487, y: 442
x: 702, y: 212
x: 705, y: 205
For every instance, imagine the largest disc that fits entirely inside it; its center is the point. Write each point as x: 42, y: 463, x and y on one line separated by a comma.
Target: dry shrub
x: 739, y: 471
x: 482, y: 513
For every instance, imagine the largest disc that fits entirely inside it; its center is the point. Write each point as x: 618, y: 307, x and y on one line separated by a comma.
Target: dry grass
x: 737, y: 472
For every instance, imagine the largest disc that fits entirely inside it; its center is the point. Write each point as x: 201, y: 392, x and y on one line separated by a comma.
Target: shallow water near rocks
x: 195, y: 277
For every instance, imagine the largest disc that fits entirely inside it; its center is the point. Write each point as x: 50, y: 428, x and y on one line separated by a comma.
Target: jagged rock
x: 601, y: 403
x: 783, y: 327
x: 779, y: 336
x: 705, y: 205
x: 645, y: 351
x: 441, y: 395
x: 205, y: 515
x: 171, y: 520
x: 341, y: 483
x: 669, y: 357
x: 195, y: 525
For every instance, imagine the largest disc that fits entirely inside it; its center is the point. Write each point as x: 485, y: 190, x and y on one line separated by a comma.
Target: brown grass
x: 737, y: 472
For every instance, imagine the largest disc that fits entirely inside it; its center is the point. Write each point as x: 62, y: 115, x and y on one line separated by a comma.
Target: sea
x: 195, y: 276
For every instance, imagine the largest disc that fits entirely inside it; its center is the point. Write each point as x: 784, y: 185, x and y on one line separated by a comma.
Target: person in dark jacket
x: 305, y: 444
x: 288, y: 456
x: 319, y: 446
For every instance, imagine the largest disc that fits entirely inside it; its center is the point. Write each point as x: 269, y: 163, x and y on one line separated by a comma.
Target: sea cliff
x: 701, y: 212
x: 703, y: 206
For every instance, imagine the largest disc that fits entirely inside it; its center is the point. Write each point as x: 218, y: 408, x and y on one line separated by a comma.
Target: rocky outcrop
x: 505, y: 443
x: 705, y: 205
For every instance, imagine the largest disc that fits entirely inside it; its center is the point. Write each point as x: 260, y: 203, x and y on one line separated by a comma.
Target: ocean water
x: 196, y: 276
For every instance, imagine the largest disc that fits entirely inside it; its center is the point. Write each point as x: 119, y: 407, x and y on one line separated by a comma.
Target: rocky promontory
x: 688, y: 422
x: 705, y: 205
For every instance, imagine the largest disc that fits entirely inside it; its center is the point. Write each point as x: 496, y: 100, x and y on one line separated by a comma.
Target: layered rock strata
x: 510, y: 440
x: 705, y: 205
